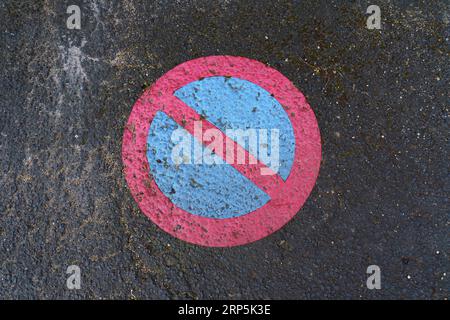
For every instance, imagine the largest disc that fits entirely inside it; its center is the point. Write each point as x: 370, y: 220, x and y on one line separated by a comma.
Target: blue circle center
x: 218, y: 190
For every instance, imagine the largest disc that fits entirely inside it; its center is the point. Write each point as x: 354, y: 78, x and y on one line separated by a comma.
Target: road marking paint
x: 230, y: 204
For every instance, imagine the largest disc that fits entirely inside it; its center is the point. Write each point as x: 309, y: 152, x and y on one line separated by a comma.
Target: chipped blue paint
x: 232, y: 103
x: 215, y: 191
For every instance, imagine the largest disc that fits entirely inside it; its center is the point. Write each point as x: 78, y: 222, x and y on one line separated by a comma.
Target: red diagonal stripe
x: 185, y: 116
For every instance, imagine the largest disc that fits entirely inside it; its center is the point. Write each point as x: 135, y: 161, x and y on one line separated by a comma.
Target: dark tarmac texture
x: 381, y: 98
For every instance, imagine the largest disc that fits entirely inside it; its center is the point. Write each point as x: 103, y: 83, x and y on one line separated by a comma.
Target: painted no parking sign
x: 221, y: 151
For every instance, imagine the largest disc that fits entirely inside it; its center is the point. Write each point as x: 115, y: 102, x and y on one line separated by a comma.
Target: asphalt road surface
x: 381, y: 98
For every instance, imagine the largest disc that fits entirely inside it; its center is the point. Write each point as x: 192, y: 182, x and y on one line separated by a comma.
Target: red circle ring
x: 232, y: 231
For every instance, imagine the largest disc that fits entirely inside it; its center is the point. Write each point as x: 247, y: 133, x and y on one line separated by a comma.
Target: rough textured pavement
x: 380, y: 97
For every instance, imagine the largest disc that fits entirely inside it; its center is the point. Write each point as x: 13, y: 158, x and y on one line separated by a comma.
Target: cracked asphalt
x: 381, y: 98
